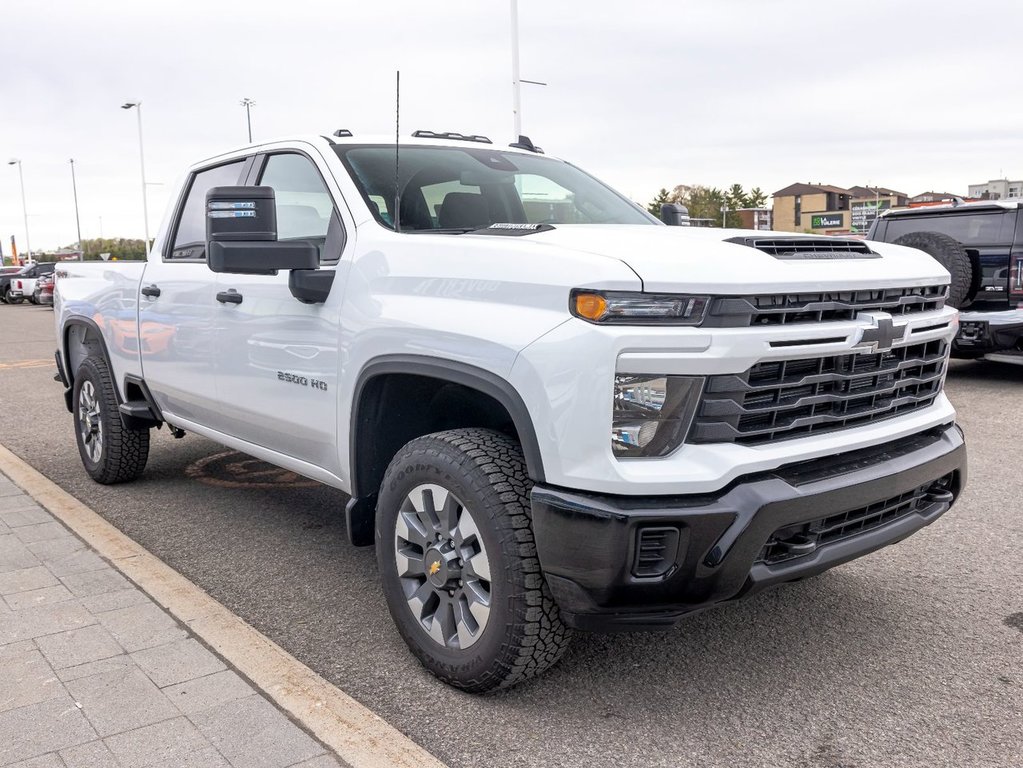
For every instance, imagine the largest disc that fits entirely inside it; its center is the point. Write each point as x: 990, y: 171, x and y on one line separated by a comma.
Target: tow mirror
x: 675, y: 215
x: 241, y: 234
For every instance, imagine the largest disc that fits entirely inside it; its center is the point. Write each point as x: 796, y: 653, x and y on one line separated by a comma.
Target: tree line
x: 121, y: 248
x: 707, y: 202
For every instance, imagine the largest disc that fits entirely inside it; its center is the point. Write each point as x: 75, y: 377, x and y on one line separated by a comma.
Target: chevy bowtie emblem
x: 434, y: 567
x: 882, y: 333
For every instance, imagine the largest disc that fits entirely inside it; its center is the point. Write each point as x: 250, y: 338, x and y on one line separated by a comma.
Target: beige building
x: 828, y: 210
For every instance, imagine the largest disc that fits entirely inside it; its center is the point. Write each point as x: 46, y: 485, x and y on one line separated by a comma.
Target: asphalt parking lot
x: 912, y: 656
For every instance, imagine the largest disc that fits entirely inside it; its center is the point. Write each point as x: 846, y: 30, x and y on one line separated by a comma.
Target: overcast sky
x: 914, y: 94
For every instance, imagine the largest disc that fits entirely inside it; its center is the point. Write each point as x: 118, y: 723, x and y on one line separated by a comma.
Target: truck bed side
x: 97, y: 304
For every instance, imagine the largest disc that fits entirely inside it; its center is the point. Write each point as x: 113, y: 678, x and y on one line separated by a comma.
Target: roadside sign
x: 105, y: 256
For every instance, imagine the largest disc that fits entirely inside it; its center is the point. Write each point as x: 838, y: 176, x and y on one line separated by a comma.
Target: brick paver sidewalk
x: 94, y: 674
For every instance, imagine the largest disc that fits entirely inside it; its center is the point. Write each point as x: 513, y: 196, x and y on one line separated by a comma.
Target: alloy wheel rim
x: 443, y: 566
x: 90, y: 423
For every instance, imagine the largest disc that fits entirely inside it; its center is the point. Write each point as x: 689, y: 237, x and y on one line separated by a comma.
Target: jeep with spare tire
x: 981, y: 245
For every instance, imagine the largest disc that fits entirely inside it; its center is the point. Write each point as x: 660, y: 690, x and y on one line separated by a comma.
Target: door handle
x: 230, y: 296
x: 151, y: 291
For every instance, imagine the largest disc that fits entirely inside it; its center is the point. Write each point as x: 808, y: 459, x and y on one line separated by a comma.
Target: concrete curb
x: 358, y: 736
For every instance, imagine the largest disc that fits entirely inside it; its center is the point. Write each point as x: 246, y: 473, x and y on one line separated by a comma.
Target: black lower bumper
x: 619, y: 562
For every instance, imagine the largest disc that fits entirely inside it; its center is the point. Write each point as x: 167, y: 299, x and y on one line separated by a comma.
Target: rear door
x: 277, y: 358
x: 175, y: 328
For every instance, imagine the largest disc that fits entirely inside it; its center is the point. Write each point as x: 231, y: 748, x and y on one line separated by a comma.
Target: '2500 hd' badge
x: 294, y: 378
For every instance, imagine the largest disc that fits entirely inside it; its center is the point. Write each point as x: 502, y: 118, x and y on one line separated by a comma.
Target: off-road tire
x: 123, y: 452
x: 486, y: 471
x: 950, y: 253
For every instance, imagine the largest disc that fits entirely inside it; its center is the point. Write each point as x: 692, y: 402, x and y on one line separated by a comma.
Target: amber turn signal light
x: 592, y: 306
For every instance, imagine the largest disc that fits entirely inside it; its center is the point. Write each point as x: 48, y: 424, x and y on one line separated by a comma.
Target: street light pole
x: 248, y: 103
x: 78, y: 223
x: 24, y: 206
x: 142, y: 164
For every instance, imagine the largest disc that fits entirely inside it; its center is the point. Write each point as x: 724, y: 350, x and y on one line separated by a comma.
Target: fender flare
x: 458, y: 373
x: 64, y: 352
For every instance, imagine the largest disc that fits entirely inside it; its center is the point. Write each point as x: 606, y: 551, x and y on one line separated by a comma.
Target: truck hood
x: 674, y: 259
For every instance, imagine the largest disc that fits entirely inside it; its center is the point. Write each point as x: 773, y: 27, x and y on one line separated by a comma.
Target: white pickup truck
x: 551, y: 411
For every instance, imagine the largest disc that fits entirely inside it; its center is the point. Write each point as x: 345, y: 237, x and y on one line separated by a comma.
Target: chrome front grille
x: 784, y: 399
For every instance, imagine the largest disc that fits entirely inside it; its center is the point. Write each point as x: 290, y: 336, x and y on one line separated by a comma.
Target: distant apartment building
x: 997, y: 189
x: 826, y: 209
x: 754, y: 218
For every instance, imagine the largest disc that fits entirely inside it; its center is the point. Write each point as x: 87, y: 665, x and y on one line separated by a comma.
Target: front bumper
x: 760, y: 531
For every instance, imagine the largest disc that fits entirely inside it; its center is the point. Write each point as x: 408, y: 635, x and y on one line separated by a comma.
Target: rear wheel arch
x: 81, y: 338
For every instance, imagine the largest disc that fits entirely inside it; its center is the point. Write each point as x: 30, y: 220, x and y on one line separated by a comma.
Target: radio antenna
x: 397, y: 116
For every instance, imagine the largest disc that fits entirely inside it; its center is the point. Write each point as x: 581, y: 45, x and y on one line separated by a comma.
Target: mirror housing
x: 241, y: 234
x: 675, y: 215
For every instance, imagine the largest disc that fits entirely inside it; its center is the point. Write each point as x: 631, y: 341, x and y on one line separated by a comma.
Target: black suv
x: 981, y: 245
x: 30, y: 270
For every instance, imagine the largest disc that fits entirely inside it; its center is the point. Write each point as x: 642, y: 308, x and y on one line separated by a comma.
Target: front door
x: 277, y: 358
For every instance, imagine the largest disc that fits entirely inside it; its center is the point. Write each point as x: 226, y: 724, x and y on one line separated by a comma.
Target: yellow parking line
x: 27, y: 364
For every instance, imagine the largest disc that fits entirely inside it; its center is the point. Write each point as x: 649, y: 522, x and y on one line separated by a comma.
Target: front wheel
x: 111, y: 453
x: 458, y: 561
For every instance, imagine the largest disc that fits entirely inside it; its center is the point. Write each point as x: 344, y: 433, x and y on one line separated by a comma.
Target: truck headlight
x: 652, y: 413
x: 635, y: 308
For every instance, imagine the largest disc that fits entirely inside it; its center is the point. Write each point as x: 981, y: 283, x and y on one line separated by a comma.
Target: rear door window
x: 976, y: 229
x: 190, y: 235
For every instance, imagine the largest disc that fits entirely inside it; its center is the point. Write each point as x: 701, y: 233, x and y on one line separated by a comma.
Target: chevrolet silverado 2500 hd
x: 551, y: 411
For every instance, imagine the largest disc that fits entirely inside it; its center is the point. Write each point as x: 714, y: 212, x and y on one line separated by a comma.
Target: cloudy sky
x: 910, y: 94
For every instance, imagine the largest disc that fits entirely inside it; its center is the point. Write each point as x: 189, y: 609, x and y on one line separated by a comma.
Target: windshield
x: 451, y: 189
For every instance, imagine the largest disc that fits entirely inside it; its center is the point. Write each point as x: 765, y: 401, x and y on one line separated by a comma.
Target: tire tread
x: 125, y: 451
x: 538, y: 637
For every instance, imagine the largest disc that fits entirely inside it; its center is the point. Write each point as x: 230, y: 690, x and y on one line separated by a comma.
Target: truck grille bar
x: 780, y: 400
x: 786, y: 309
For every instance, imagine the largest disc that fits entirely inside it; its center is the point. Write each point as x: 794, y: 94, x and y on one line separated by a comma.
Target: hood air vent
x: 791, y: 248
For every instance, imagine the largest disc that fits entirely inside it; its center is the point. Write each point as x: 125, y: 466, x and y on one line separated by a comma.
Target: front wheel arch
x: 369, y: 459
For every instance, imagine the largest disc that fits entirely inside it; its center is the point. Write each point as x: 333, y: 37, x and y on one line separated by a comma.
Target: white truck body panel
x: 499, y: 304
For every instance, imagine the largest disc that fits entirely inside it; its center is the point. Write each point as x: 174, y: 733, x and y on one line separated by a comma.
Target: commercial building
x: 829, y: 210
x: 997, y: 189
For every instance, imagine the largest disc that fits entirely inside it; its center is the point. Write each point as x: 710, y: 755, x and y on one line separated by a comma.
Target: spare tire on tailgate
x: 950, y: 253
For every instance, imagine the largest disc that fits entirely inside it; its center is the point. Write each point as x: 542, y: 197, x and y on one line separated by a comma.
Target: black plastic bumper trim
x: 586, y: 542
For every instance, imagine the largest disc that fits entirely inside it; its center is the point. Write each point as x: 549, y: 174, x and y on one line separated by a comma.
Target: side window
x: 190, y: 236
x: 305, y: 209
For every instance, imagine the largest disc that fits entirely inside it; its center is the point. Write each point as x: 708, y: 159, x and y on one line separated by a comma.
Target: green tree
x: 655, y: 205
x: 757, y: 198
x: 705, y: 203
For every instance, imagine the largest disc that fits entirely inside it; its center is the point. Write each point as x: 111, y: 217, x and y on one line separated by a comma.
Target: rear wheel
x: 458, y: 561
x: 9, y: 299
x: 950, y: 253
x: 110, y: 452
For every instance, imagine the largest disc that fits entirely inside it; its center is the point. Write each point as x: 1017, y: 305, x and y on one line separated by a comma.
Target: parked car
x: 547, y: 417
x: 43, y: 293
x: 981, y: 245
x: 20, y: 286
